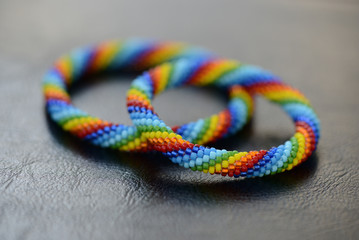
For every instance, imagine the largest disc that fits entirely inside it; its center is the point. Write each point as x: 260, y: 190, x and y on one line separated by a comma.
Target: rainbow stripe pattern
x: 170, y: 65
x: 236, y: 77
x: 135, y: 55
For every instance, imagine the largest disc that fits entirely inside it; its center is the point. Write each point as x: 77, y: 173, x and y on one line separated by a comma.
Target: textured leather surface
x: 55, y: 187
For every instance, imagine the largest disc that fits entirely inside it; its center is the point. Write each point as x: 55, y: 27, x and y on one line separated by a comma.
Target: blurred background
x: 55, y: 187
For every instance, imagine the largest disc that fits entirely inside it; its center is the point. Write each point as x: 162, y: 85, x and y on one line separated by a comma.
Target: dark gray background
x: 55, y: 187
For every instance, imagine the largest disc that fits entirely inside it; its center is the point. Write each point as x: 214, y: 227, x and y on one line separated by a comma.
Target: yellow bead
x: 231, y: 160
x: 290, y: 166
x: 218, y: 167
x: 205, y: 139
x: 124, y: 148
x: 131, y: 145
x: 225, y: 164
x: 238, y: 156
x: 211, y: 170
x: 158, y: 134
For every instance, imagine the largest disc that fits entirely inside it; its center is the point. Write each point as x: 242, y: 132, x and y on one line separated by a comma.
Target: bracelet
x: 215, y: 161
x: 134, y: 55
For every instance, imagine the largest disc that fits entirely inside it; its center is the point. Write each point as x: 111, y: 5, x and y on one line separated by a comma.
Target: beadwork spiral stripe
x: 137, y: 55
x: 224, y: 73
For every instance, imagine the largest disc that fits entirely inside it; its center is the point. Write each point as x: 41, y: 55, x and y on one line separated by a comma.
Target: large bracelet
x: 224, y: 73
x: 134, y: 55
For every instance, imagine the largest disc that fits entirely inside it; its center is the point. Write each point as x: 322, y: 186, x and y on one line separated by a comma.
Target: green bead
x: 232, y: 153
x: 205, y: 166
x: 212, y: 162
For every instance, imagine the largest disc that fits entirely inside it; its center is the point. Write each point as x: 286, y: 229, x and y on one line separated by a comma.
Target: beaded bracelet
x: 223, y: 73
x: 133, y: 55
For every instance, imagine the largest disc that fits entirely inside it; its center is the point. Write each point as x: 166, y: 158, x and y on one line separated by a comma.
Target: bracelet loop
x: 224, y: 73
x: 132, y: 55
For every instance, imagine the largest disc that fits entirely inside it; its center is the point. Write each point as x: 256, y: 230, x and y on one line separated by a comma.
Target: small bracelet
x: 223, y: 73
x: 134, y: 55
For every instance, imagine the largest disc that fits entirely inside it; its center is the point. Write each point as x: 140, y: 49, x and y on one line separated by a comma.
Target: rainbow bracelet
x: 183, y: 65
x: 134, y: 55
x: 223, y: 73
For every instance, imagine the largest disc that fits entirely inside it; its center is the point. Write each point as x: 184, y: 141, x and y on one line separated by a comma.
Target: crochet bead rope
x: 214, y: 161
x: 137, y: 55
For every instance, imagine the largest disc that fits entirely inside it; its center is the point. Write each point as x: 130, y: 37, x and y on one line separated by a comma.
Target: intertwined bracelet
x: 181, y: 65
x: 134, y: 55
x: 224, y: 73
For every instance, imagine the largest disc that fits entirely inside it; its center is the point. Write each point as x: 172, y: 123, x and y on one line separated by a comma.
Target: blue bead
x: 207, y: 151
x: 195, y: 149
x: 270, y: 154
x: 200, y: 153
x: 188, y: 151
